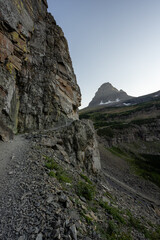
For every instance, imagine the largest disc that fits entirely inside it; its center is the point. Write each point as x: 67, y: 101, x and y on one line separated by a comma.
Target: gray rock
x: 49, y: 199
x: 73, y: 232
x: 39, y: 236
x: 74, y: 215
x: 105, y: 199
x: 22, y: 237
x: 56, y: 224
x: 56, y: 234
x: 63, y: 198
x: 81, y: 145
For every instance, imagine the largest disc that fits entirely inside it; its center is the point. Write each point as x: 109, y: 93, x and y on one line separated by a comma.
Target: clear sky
x: 116, y: 41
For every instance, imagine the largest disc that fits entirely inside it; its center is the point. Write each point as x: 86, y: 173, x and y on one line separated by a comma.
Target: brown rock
x: 17, y: 63
x: 6, y: 47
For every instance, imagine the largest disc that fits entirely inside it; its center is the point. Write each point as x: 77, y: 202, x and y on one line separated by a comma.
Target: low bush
x: 113, y: 211
x: 59, y: 173
x: 85, y: 178
x: 85, y: 190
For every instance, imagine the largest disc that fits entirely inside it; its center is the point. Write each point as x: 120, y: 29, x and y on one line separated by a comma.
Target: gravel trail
x: 11, y: 155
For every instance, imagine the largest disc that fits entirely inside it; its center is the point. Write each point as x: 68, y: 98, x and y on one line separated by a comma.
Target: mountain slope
x: 133, y: 133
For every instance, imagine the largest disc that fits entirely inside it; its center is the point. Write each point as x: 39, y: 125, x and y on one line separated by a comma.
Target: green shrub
x: 62, y: 176
x: 112, y: 228
x: 113, y: 211
x: 51, y: 164
x: 52, y: 174
x: 59, y: 173
x: 85, y: 178
x: 85, y: 190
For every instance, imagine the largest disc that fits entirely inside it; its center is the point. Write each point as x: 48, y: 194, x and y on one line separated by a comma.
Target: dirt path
x: 11, y: 154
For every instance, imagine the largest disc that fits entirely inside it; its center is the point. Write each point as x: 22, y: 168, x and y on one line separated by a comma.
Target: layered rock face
x: 76, y: 144
x: 107, y: 94
x: 38, y: 87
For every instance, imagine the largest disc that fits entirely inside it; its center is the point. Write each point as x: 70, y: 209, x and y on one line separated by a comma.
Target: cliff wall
x: 38, y: 87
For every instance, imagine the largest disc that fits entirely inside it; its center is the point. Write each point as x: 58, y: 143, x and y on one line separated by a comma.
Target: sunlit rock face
x: 107, y: 94
x: 38, y: 87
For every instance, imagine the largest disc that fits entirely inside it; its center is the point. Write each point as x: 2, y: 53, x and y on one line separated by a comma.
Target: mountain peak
x: 108, y: 94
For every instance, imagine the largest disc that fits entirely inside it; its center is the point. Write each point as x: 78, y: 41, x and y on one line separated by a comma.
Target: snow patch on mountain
x: 127, y: 104
x: 109, y: 102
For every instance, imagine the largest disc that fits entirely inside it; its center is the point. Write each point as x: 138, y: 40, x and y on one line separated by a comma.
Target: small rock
x: 36, y: 230
x: 56, y: 224
x: 105, y: 199
x: 39, y: 236
x: 82, y: 198
x: 49, y: 199
x: 21, y: 238
x: 63, y: 198
x: 67, y: 222
x: 74, y: 215
x: 73, y: 232
x: 68, y: 184
x: 56, y: 234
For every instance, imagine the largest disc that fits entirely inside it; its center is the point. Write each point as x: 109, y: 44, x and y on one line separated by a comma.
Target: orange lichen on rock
x: 20, y: 41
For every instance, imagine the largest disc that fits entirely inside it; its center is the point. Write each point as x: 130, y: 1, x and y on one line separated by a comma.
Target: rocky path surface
x: 13, y: 156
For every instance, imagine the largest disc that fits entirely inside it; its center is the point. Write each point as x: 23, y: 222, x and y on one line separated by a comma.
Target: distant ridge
x: 107, y: 94
x: 142, y: 99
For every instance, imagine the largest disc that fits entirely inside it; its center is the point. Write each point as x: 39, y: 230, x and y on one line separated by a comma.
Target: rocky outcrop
x: 76, y: 144
x: 38, y: 87
x: 107, y: 94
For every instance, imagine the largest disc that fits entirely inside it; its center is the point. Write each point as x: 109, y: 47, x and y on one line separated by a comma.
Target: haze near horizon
x: 112, y: 41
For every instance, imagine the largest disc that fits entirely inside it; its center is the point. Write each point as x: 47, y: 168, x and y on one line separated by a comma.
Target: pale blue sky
x: 116, y: 41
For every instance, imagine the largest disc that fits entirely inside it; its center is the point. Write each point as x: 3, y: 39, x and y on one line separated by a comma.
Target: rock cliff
x: 38, y: 87
x: 107, y: 94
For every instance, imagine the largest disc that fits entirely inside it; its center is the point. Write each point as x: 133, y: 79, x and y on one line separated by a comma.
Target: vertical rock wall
x: 38, y: 87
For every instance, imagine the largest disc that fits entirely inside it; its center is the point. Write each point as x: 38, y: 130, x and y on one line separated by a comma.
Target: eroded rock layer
x: 38, y: 87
